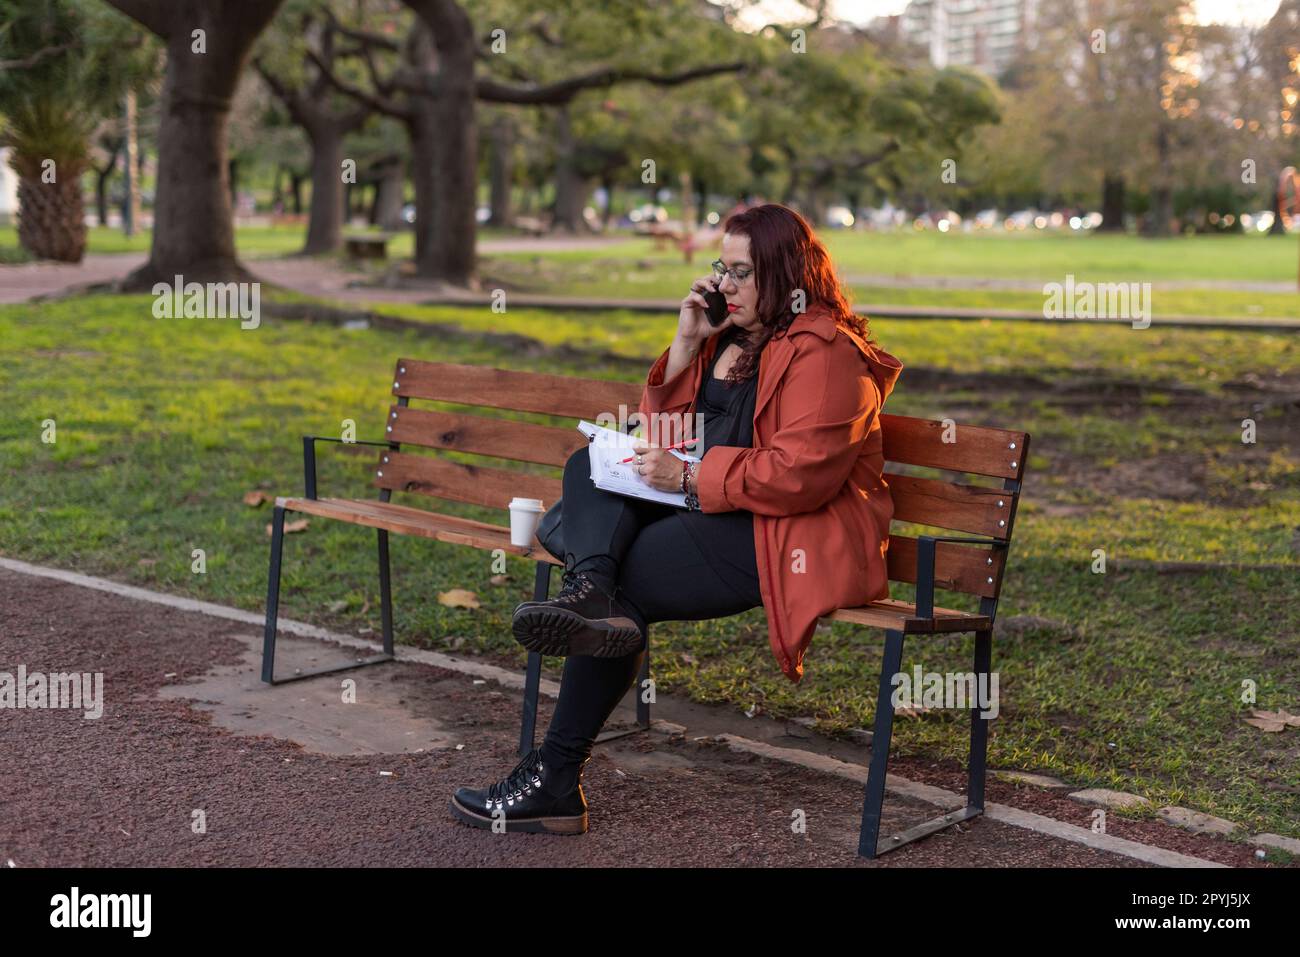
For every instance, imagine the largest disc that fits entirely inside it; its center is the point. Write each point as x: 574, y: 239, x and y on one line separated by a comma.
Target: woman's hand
x: 692, y: 321
x: 658, y: 467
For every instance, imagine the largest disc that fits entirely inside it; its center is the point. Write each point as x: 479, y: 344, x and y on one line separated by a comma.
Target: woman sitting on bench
x: 787, y: 508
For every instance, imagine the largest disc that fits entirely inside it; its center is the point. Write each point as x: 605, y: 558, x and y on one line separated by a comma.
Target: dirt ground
x: 292, y: 775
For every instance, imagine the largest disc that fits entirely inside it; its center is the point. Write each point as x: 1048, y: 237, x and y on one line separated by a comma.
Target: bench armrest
x: 925, y: 567
x: 309, y: 458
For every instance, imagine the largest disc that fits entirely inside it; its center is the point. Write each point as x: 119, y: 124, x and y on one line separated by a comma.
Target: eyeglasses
x: 738, y: 276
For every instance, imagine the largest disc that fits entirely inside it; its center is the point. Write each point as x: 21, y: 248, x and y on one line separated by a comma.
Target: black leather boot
x: 525, y: 800
x: 583, y: 619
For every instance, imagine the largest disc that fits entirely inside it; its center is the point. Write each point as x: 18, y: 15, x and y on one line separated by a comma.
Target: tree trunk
x: 1160, y: 216
x: 690, y: 211
x: 607, y: 215
x: 423, y: 179
x: 233, y: 177
x: 1112, y: 203
x: 502, y: 172
x: 1277, y: 229
x: 388, y: 197
x: 444, y: 147
x: 193, y: 233
x: 51, y: 216
x: 816, y: 210
x: 325, y: 221
x: 101, y: 193
x: 570, y: 190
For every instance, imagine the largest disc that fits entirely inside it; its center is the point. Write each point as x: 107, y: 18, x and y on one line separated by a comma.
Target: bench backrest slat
x: 481, y: 435
x: 460, y: 482
x: 977, y: 510
x: 961, y: 568
x: 966, y: 448
x: 519, y: 391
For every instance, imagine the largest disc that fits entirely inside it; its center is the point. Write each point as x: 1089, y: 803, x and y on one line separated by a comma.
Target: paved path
x: 292, y: 775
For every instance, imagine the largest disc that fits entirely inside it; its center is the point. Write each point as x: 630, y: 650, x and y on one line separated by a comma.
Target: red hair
x: 787, y: 257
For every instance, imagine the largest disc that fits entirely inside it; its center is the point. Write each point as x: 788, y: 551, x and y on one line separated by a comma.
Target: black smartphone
x: 717, y: 311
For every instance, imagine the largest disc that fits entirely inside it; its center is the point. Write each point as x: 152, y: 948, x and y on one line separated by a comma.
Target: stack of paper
x: 607, y: 448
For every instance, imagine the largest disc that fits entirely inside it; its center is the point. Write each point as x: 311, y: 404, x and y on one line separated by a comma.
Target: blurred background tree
x: 64, y: 64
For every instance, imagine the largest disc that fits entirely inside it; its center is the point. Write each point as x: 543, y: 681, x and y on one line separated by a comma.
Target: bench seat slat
x: 899, y: 615
x: 404, y: 520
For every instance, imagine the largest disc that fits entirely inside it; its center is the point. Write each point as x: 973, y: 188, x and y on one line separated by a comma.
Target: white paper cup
x: 525, y: 514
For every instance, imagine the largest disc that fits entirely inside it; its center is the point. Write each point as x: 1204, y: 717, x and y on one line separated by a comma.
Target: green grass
x: 163, y: 425
x: 636, y: 270
x: 1042, y: 256
x: 1049, y: 256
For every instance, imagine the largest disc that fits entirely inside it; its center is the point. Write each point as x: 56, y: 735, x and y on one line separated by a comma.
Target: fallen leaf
x: 255, y: 498
x: 365, y: 607
x: 911, y: 712
x: 147, y: 561
x: 1272, y: 720
x: 337, y: 606
x: 290, y: 527
x: 688, y: 659
x: 458, y: 598
x: 1266, y: 725
x: 500, y: 579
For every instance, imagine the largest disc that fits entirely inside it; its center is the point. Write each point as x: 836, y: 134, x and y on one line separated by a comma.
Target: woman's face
x: 742, y: 298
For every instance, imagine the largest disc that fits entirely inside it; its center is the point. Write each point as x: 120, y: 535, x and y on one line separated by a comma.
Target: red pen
x: 679, y: 445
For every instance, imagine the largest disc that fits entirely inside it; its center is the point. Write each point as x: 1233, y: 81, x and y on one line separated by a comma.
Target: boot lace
x: 576, y: 586
x: 518, y: 783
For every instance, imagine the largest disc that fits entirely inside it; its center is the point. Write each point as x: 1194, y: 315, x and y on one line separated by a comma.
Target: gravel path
x: 292, y: 776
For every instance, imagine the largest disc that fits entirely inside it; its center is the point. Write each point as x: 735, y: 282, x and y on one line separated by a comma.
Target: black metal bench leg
x: 869, y: 843
x: 533, y: 677
x: 385, y: 592
x: 979, y: 727
x: 273, y: 610
x: 272, y: 595
x: 642, y: 705
x: 875, y: 791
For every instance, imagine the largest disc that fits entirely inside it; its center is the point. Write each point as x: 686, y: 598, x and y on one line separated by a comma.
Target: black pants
x: 662, y: 574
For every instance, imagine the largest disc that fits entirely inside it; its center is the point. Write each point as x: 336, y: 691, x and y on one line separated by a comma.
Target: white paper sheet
x: 607, y: 447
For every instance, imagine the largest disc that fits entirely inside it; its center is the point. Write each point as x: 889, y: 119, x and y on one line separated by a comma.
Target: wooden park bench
x: 973, y: 566
x: 367, y: 245
x: 687, y: 240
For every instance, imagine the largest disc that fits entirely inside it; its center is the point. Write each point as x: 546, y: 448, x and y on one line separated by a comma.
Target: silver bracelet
x: 689, y: 471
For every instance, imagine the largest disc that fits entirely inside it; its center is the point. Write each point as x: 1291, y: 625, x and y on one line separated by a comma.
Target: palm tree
x: 63, y: 66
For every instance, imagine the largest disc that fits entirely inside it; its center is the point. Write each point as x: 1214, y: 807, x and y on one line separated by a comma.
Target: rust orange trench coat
x: 812, y: 478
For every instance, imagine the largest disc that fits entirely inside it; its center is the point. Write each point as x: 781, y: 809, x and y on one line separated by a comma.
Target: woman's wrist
x: 681, y: 353
x: 690, y: 483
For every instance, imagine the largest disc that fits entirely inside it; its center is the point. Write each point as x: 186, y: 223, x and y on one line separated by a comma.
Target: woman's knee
x: 580, y: 460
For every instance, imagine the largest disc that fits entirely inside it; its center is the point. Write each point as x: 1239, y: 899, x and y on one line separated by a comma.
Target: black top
x: 728, y: 408
x: 726, y: 539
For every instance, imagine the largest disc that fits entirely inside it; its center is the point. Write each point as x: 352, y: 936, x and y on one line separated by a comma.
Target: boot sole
x: 530, y: 825
x: 548, y: 630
